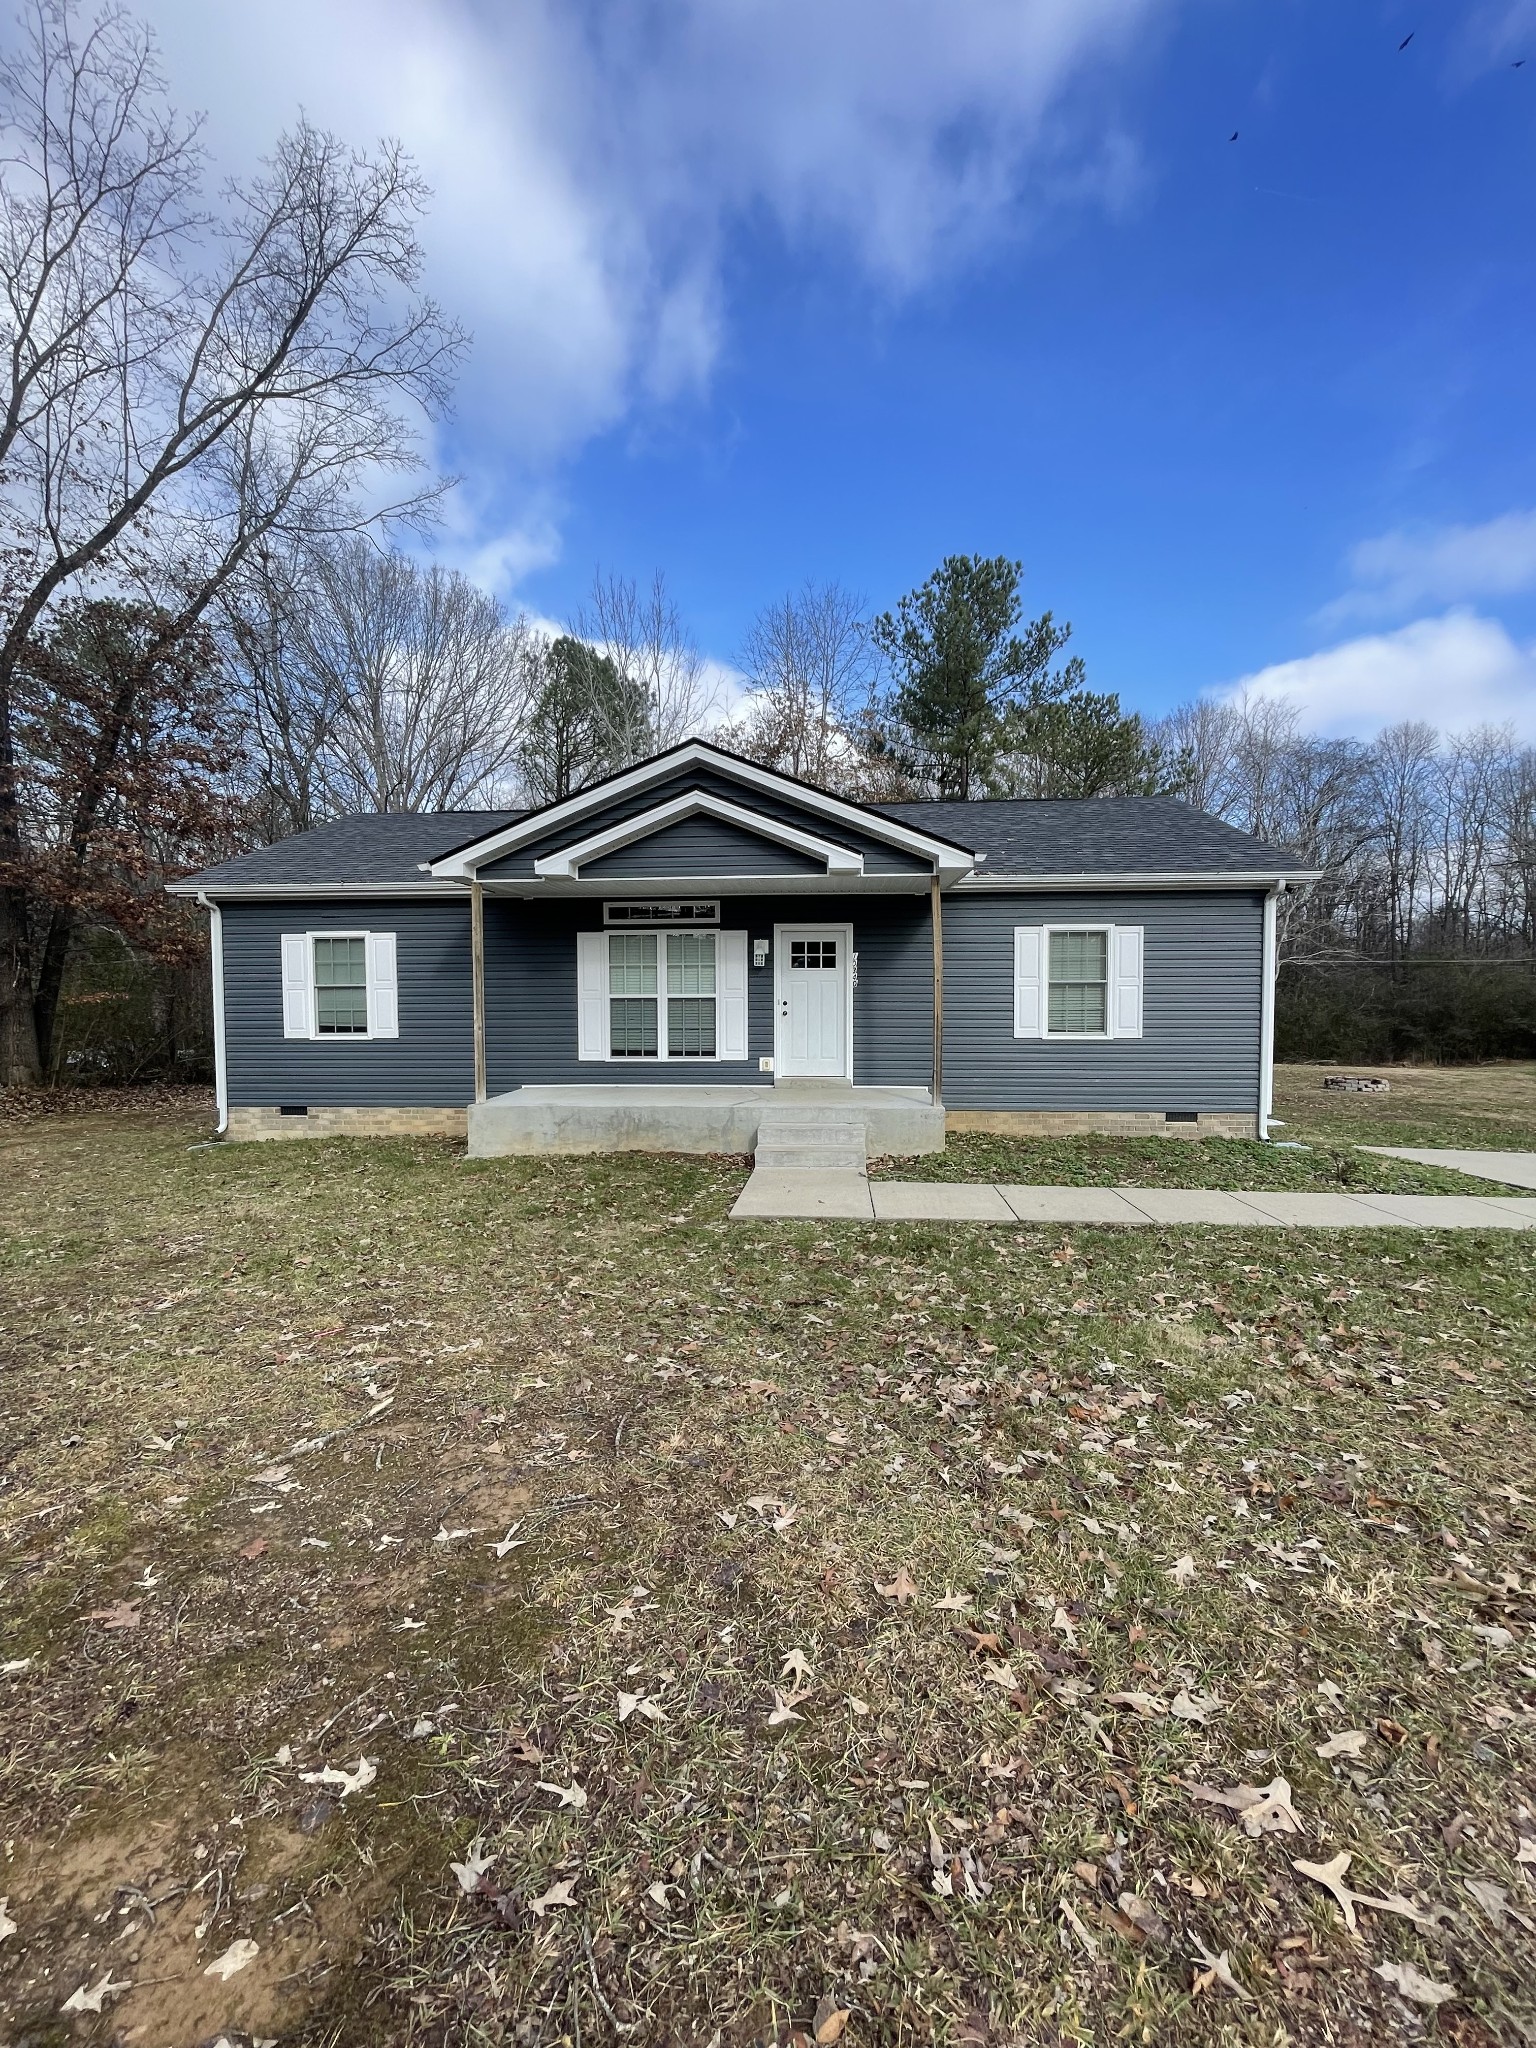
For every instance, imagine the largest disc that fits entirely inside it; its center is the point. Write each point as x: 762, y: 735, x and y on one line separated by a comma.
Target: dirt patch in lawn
x: 530, y: 1608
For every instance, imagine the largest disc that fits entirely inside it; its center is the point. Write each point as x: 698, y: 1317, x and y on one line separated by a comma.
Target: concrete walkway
x: 817, y: 1194
x: 1514, y: 1169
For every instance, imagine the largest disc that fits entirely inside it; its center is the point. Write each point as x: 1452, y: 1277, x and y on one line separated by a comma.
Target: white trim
x: 1143, y: 878
x: 949, y: 860
x: 594, y: 1029
x: 1040, y: 983
x: 1267, y: 1012
x: 220, y: 1052
x: 566, y: 862
x: 283, y: 891
x: 845, y: 931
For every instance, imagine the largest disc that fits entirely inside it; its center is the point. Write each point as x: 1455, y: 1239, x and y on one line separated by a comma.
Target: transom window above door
x: 639, y: 963
x: 813, y: 953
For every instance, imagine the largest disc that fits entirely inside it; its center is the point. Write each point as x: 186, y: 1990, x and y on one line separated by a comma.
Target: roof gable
x: 696, y: 767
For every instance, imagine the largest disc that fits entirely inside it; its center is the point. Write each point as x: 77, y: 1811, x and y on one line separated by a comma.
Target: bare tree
x: 378, y: 685
x: 809, y: 665
x: 179, y: 385
x: 665, y: 692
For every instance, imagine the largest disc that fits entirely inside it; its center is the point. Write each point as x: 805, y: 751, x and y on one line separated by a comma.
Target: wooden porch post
x: 937, y: 909
x: 477, y: 958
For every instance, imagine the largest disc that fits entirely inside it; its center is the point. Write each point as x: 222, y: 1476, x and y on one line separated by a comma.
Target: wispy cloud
x: 1456, y: 671
x: 1402, y: 571
x: 590, y: 161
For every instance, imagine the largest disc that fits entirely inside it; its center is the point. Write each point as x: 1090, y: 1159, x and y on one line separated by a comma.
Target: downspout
x: 477, y: 964
x: 216, y: 962
x: 1267, y: 1013
x: 936, y: 904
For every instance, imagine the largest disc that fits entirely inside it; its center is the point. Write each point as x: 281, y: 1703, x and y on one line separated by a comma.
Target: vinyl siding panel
x: 879, y: 858
x: 431, y: 1063
x: 702, y: 846
x: 530, y: 998
x: 1201, y: 996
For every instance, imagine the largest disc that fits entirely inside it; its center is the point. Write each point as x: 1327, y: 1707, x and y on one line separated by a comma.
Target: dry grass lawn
x: 790, y: 1632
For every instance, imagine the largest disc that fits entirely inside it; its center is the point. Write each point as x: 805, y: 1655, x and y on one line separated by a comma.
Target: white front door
x: 811, y: 1035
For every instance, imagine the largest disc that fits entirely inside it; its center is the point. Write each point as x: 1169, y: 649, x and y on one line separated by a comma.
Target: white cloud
x: 588, y: 163
x: 1454, y: 672
x: 1402, y: 571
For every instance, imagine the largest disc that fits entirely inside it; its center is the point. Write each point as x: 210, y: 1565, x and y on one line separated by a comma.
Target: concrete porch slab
x: 938, y: 1201
x: 1514, y: 1169
x: 1071, y: 1205
x: 641, y: 1116
x: 819, y: 1191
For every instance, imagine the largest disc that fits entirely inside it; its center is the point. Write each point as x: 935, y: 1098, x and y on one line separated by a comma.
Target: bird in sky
x: 1518, y: 63
x: 1407, y: 39
x: 1233, y: 136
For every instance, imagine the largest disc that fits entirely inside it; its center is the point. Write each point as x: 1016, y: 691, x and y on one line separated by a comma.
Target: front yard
x: 519, y: 1605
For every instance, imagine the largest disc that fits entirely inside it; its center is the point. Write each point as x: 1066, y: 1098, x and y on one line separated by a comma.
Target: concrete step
x: 810, y: 1158
x: 796, y: 1144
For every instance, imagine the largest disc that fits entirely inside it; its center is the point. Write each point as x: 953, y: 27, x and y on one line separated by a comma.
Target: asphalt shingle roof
x: 1107, y: 835
x: 1133, y: 835
x: 381, y: 847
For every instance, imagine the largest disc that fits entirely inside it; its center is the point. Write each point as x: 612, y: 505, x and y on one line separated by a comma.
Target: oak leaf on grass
x: 1413, y: 1983
x: 901, y: 1589
x: 561, y: 1894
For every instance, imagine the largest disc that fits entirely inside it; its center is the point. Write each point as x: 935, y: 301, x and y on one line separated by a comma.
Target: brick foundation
x: 1102, y: 1123
x: 247, y: 1124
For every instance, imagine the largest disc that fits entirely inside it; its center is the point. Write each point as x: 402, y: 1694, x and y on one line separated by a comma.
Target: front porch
x: 640, y: 1117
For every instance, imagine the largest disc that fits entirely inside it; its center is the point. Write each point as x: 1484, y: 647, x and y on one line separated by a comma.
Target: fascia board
x: 1142, y: 878
x: 295, y: 891
x: 566, y: 862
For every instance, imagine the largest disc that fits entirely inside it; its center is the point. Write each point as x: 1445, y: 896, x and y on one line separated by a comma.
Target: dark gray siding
x: 530, y: 994
x: 703, y: 846
x: 1202, y: 973
x: 1202, y: 996
x: 879, y: 858
x: 430, y: 1065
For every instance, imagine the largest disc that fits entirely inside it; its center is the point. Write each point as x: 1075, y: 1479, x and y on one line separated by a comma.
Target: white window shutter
x: 1126, y: 949
x: 383, y: 987
x: 731, y: 986
x: 592, y: 995
x: 1028, y: 981
x: 298, y: 1004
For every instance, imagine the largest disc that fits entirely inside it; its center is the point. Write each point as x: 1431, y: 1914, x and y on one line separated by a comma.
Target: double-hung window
x: 662, y: 984
x: 1077, y: 981
x: 1077, y: 1000
x: 340, y: 985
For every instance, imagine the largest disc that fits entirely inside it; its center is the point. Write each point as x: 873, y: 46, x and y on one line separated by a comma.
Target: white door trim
x: 845, y: 933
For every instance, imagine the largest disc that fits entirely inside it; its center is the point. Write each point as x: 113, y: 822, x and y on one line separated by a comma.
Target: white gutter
x: 1136, y: 878
x: 1267, y: 1013
x: 216, y: 957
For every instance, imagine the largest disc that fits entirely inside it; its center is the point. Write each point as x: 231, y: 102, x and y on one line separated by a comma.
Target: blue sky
x: 829, y: 288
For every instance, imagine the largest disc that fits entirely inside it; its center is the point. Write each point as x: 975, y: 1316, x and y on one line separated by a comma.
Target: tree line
x: 217, y: 626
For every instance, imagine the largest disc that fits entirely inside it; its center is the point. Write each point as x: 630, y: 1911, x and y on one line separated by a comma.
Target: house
x: 652, y: 963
